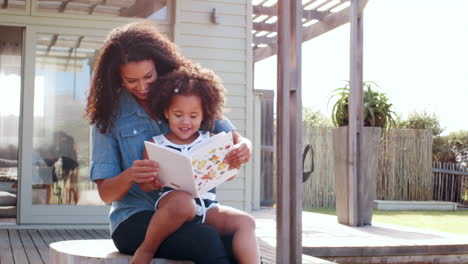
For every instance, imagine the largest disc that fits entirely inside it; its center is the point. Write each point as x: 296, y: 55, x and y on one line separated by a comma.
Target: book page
x: 207, y: 162
x: 175, y: 168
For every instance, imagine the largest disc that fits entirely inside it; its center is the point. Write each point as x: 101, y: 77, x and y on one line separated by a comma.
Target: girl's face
x: 185, y: 115
x: 138, y: 76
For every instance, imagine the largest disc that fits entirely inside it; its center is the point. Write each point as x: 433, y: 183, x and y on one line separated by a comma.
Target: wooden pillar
x: 289, y: 133
x: 355, y: 113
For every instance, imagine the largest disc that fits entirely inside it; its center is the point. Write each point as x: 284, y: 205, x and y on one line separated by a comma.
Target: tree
x: 423, y: 120
x: 314, y: 118
x: 441, y: 148
x: 458, y: 142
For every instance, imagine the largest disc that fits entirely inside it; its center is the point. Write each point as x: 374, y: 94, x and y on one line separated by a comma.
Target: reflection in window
x: 61, y: 135
x: 152, y: 9
x: 10, y: 94
x: 13, y: 4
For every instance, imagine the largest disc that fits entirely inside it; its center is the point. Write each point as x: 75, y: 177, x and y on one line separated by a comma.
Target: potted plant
x: 378, y: 118
x: 377, y: 109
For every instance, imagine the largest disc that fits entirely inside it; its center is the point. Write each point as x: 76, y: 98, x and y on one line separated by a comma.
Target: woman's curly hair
x: 132, y: 42
x: 190, y: 80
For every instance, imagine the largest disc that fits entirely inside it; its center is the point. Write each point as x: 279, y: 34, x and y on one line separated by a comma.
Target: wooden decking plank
x: 75, y: 234
x: 67, y: 235
x: 45, y: 235
x: 41, y: 245
x: 30, y: 248
x: 6, y: 254
x: 92, y: 233
x: 83, y: 233
x: 19, y: 255
x: 97, y: 234
x: 56, y: 236
x: 105, y: 233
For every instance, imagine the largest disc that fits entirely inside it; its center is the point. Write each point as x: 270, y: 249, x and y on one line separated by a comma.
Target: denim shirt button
x: 134, y: 132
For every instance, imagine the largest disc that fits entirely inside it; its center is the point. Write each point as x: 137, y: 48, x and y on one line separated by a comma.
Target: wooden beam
x: 355, y: 114
x: 264, y: 40
x: 265, y: 10
x: 289, y: 133
x: 143, y: 8
x: 263, y: 53
x: 327, y: 24
x: 91, y: 9
x: 259, y: 26
x: 273, y: 11
x: 52, y: 43
x: 63, y: 6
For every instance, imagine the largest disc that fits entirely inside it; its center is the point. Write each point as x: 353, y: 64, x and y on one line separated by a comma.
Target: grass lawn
x: 446, y: 221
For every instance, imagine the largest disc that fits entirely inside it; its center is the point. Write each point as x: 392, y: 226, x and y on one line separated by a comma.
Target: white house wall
x: 226, y: 49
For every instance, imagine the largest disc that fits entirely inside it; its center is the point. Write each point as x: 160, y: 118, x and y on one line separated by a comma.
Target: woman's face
x: 138, y: 76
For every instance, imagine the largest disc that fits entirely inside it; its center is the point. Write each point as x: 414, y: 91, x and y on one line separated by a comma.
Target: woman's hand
x: 145, y: 173
x: 241, y: 152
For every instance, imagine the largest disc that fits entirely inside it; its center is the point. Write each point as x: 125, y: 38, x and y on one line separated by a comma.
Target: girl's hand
x: 241, y: 153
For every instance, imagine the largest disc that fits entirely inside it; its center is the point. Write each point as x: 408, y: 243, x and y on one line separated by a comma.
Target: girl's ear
x: 166, y: 114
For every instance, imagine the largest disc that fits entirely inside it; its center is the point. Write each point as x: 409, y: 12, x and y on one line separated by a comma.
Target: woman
x: 132, y: 58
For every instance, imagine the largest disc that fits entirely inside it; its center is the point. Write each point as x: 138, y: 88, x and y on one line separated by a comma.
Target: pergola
x: 280, y: 27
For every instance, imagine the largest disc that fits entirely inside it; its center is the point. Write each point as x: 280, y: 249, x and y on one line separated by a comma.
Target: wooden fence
x: 450, y: 182
x: 319, y: 189
x: 405, y: 169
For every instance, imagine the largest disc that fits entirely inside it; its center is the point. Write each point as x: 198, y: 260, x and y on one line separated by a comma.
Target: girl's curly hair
x: 132, y: 42
x: 190, y: 80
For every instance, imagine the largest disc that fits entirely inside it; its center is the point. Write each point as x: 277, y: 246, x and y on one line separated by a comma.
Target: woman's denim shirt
x: 117, y: 149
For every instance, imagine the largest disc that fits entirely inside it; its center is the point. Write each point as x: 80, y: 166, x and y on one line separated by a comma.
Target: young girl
x: 190, y: 99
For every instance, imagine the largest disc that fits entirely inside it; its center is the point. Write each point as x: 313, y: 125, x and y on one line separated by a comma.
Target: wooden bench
x: 93, y: 251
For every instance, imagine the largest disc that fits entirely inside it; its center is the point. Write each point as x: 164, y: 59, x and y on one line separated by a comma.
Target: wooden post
x: 289, y: 133
x: 267, y: 148
x: 355, y: 114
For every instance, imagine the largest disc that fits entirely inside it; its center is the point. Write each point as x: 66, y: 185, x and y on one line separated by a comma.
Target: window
x: 61, y: 141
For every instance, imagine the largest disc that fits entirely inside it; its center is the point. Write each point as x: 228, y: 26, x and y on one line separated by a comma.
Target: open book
x: 197, y: 171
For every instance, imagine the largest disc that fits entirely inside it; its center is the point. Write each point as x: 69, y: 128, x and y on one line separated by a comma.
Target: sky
x: 415, y: 50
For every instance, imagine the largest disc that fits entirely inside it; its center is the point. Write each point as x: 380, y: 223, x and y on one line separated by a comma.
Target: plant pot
x: 367, y: 179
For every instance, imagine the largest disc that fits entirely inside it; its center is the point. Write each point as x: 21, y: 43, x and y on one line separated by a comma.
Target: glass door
x: 11, y: 54
x: 56, y: 186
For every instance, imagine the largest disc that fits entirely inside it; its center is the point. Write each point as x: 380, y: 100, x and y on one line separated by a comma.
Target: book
x: 197, y: 171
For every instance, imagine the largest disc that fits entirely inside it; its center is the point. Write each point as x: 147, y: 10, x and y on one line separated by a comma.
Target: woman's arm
x: 242, y: 150
x: 113, y: 189
x: 112, y: 182
x: 241, y: 153
x: 150, y: 185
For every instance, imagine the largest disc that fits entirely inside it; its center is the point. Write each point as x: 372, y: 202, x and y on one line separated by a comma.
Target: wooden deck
x: 23, y: 246
x: 323, y: 238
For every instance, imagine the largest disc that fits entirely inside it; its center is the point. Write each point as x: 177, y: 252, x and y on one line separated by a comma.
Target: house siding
x: 222, y: 47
